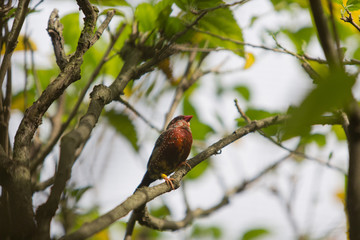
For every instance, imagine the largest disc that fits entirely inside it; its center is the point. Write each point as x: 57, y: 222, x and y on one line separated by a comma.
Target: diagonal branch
x: 146, y: 194
x: 164, y: 224
x: 54, y: 29
x: 46, y: 149
x: 188, y: 79
x: 137, y: 113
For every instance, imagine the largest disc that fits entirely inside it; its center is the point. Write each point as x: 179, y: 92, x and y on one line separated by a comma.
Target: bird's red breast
x: 171, y: 148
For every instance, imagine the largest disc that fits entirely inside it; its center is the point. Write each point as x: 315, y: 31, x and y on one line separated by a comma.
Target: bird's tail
x: 146, y: 181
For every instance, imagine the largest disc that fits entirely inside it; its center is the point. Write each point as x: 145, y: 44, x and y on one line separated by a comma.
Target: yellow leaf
x: 21, y: 44
x: 340, y: 195
x: 249, y: 60
x: 103, y: 235
x: 165, y: 67
x: 128, y: 91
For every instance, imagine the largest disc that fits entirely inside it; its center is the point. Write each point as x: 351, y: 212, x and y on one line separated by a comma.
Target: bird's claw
x: 168, y: 181
x: 186, y: 164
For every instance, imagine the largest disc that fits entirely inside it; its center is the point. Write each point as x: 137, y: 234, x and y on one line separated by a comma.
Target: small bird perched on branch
x: 170, y: 151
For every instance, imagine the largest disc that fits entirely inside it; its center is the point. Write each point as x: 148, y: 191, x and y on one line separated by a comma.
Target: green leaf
x: 319, y: 139
x: 339, y: 132
x: 212, y: 232
x: 111, y: 3
x: 220, y: 22
x: 197, y: 171
x: 146, y: 15
x: 71, y: 31
x: 331, y: 94
x: 124, y: 126
x: 160, y: 211
x: 258, y: 114
x: 187, y: 5
x: 338, y: 1
x: 175, y: 25
x: 255, y: 234
x: 77, y: 193
x: 241, y: 122
x: 243, y: 91
x: 289, y: 4
x: 163, y: 10
x: 46, y: 76
x: 353, y: 5
x: 300, y: 37
x: 199, y: 130
x: 117, y: 12
x: 18, y: 100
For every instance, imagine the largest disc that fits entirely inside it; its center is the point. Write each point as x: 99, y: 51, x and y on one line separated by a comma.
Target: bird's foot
x: 186, y: 164
x: 168, y: 181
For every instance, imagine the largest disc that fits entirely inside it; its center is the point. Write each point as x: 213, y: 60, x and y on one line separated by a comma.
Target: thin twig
x: 181, y: 88
x: 349, y: 19
x: 281, y: 50
x: 137, y: 113
x: 301, y: 154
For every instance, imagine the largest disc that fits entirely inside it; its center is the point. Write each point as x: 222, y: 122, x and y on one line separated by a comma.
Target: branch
x: 184, y: 47
x: 43, y: 185
x: 349, y: 19
x: 326, y: 39
x: 20, y: 194
x: 146, y: 194
x: 55, y: 29
x: 20, y: 13
x: 353, y: 192
x: 72, y: 141
x: 19, y: 197
x: 332, y: 120
x: 45, y: 150
x: 188, y: 79
x: 137, y: 113
x: 164, y: 224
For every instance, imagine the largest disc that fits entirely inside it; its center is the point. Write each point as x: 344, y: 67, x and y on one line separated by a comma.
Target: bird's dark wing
x: 146, y: 181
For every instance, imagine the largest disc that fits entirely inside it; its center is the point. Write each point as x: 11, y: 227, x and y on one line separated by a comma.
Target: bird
x: 170, y: 151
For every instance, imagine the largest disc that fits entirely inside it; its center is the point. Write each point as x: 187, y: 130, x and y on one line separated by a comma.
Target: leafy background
x: 265, y: 83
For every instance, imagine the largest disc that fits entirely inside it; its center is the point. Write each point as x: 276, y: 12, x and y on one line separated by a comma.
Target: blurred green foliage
x: 158, y: 21
x: 256, y: 233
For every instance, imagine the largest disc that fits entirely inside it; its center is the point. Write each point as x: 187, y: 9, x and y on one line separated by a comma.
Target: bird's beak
x: 188, y: 118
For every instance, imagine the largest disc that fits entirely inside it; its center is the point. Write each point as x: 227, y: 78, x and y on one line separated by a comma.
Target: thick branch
x: 69, y: 144
x: 326, y: 39
x: 20, y: 13
x: 20, y: 192
x: 20, y: 202
x: 353, y: 192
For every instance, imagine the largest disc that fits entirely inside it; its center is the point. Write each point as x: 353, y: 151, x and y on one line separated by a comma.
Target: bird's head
x: 180, y: 121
